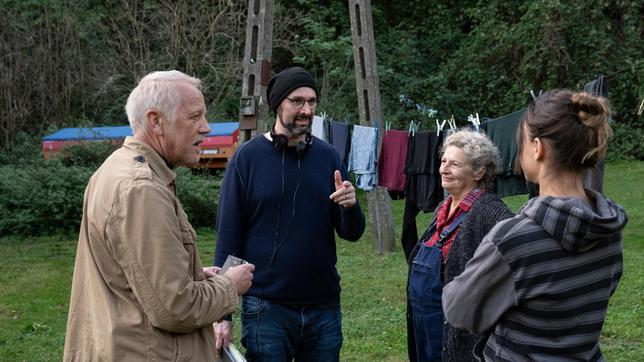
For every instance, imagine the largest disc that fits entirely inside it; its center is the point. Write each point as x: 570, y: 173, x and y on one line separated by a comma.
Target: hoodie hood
x: 574, y: 224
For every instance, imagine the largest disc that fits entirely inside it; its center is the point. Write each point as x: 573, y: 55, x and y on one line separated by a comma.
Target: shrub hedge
x: 42, y: 197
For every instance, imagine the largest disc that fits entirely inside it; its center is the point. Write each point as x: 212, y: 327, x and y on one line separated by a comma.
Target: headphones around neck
x: 280, y: 142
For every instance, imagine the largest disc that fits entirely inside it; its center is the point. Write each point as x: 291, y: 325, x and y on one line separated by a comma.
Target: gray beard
x: 295, y: 130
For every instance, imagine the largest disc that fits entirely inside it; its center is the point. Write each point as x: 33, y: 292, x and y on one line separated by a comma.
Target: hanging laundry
x: 593, y: 178
x: 423, y: 190
x: 317, y: 128
x: 362, y: 158
x: 338, y: 136
x: 502, y: 131
x: 391, y: 163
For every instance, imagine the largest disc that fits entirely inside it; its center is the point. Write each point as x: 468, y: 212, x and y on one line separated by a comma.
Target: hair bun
x: 592, y: 111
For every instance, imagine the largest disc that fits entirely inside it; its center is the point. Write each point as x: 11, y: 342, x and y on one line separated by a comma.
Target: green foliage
x: 463, y: 57
x: 45, y: 197
x: 626, y: 143
x: 26, y: 149
x: 90, y: 154
x: 41, y: 198
x: 199, y: 195
x: 79, y: 60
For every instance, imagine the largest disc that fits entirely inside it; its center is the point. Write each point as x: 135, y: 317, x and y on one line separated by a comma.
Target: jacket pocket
x: 188, y: 236
x: 183, y: 347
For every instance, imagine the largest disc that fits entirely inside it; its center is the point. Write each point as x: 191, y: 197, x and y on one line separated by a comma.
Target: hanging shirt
x: 391, y: 163
x: 443, y: 220
x: 502, y: 131
x: 422, y: 165
x: 423, y: 190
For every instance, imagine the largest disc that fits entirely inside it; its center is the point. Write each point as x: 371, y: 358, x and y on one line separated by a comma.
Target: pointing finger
x: 338, y: 179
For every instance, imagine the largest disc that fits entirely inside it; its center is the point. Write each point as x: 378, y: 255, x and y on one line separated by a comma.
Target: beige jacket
x: 139, y: 292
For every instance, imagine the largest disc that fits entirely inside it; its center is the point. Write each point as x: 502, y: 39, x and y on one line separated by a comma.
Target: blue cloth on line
x: 362, y: 158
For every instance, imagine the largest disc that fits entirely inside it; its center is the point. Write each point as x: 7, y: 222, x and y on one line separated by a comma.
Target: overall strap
x: 430, y: 229
x: 449, y: 230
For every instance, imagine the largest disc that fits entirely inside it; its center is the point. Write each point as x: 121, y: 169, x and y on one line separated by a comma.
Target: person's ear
x: 154, y: 121
x: 539, y: 149
x: 478, y: 174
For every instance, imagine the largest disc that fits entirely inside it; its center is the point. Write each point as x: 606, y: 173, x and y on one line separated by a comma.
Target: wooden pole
x: 253, y: 110
x: 368, y: 88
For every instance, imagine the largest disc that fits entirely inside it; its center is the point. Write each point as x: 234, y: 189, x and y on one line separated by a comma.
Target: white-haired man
x: 139, y: 291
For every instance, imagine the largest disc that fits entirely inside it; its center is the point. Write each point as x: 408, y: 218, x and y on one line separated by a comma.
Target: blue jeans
x: 276, y: 332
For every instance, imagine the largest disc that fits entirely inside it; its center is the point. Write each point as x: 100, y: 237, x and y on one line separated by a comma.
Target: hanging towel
x: 391, y: 163
x: 362, y: 158
x: 339, y: 138
x: 317, y: 128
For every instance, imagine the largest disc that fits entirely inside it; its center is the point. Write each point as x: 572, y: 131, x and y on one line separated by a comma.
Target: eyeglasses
x: 298, y: 103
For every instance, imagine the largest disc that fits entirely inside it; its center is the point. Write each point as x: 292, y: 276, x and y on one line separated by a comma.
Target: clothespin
x: 474, y: 121
x: 439, y: 127
x: 387, y: 125
x: 534, y: 96
x: 411, y: 127
x: 641, y: 108
x: 452, y: 123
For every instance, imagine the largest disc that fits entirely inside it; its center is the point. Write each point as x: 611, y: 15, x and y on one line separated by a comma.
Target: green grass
x: 35, y: 278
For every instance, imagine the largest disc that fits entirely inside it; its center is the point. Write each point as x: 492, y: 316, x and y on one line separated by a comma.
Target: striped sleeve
x: 477, y: 298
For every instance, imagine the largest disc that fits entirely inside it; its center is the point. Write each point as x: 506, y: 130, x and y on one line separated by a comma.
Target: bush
x: 90, y: 154
x: 41, y: 197
x: 47, y: 196
x: 626, y: 143
x: 199, y: 195
x: 25, y: 149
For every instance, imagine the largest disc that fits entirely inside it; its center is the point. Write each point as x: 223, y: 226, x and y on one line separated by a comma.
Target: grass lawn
x: 35, y: 278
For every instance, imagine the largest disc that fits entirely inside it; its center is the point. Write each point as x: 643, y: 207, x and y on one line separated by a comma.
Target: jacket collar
x: 156, y: 162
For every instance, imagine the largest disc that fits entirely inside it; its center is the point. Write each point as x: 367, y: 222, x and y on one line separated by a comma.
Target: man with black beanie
x: 283, y: 197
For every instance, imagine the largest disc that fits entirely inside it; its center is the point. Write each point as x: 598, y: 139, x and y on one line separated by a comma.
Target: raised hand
x: 345, y: 193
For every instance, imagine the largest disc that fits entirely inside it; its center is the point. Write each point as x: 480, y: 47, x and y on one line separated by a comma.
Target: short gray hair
x: 157, y: 90
x: 480, y: 152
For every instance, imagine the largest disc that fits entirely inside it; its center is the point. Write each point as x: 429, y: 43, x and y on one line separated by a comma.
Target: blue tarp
x: 116, y: 132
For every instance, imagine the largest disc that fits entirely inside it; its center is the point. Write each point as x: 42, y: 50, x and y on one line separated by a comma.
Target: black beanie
x: 286, y: 81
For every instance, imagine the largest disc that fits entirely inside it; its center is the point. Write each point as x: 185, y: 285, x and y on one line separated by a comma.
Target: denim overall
x: 424, y: 293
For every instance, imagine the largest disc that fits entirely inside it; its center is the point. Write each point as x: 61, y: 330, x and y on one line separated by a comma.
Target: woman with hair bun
x: 539, y: 283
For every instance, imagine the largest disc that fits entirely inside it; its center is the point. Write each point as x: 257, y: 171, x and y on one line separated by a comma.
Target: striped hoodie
x: 539, y: 283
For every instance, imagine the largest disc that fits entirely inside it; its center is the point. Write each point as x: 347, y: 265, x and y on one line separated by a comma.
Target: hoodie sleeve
x: 477, y: 298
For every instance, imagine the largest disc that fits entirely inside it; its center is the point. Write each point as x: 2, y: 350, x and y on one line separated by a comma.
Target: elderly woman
x: 539, y: 283
x: 468, y: 168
